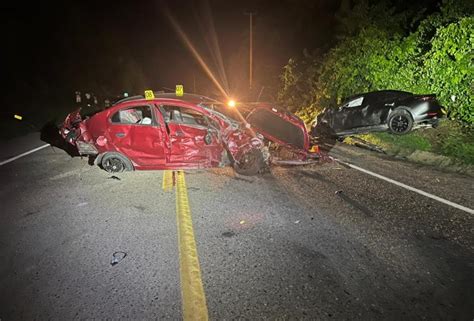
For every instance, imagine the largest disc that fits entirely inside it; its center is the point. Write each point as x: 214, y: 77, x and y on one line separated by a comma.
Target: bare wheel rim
x: 113, y: 165
x: 400, y: 123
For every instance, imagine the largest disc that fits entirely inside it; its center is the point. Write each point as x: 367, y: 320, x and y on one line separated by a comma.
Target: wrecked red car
x: 168, y: 133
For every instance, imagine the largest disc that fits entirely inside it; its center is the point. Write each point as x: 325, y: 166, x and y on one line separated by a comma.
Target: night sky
x: 114, y: 46
x: 109, y: 47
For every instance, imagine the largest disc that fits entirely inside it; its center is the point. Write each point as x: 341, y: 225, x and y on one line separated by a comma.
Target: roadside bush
x: 454, y: 140
x: 448, y: 68
x: 436, y: 57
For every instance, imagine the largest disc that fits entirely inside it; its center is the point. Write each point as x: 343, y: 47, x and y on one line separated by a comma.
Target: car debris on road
x: 117, y: 257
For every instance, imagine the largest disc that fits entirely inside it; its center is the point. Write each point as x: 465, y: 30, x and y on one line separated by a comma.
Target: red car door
x: 136, y: 132
x: 193, y: 137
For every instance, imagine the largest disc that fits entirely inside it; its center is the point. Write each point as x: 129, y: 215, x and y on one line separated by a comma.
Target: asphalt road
x: 319, y: 242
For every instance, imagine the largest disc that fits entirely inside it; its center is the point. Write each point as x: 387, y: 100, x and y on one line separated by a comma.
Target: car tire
x: 250, y: 163
x: 116, y: 163
x: 400, y: 122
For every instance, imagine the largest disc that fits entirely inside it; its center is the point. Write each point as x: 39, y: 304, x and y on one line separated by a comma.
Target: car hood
x: 279, y: 126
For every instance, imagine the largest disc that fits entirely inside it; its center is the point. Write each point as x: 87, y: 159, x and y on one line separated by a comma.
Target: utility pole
x: 250, y: 14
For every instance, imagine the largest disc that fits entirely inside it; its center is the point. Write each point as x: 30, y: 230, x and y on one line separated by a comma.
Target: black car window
x: 139, y: 115
x: 382, y: 98
x: 183, y: 115
x: 356, y: 102
x: 393, y: 95
x: 372, y: 99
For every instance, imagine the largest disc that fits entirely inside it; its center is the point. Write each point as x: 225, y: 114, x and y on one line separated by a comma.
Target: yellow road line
x: 167, y: 181
x: 192, y: 290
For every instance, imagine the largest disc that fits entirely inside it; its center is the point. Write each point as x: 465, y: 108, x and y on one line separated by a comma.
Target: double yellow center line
x: 192, y: 290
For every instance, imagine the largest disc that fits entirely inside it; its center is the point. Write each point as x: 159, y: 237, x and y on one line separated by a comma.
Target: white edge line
x: 437, y: 198
x: 22, y: 155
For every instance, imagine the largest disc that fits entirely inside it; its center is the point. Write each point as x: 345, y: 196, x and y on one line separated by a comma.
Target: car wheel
x: 400, y: 122
x: 250, y: 163
x: 116, y: 163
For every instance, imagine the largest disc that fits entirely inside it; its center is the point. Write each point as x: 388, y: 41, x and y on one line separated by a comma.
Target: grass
x: 450, y: 138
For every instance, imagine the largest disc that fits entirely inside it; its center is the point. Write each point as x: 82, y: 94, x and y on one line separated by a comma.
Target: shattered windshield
x: 228, y: 120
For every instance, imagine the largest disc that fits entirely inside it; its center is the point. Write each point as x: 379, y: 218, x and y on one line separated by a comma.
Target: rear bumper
x: 428, y: 120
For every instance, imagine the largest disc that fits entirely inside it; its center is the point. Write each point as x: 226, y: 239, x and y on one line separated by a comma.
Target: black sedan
x: 396, y: 111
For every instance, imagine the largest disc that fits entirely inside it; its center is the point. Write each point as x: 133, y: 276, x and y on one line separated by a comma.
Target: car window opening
x: 139, y: 115
x: 186, y: 116
x: 355, y: 103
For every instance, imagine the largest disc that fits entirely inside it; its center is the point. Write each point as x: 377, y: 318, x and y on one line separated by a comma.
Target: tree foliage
x: 430, y: 55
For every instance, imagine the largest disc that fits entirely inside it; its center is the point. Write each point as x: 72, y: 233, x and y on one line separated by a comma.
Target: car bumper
x: 85, y: 148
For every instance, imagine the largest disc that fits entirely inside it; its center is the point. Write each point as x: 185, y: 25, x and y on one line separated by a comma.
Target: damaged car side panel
x: 187, y: 144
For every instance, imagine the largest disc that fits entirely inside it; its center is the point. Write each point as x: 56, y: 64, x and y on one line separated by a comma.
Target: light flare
x: 231, y: 103
x: 212, y: 40
x: 203, y: 64
x: 195, y: 53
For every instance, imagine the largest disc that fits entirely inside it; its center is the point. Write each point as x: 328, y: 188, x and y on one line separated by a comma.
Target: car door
x: 349, y: 115
x: 194, y: 138
x: 135, y: 131
x: 379, y: 104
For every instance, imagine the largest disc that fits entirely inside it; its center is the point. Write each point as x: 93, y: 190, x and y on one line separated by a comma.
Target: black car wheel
x: 115, y: 163
x: 250, y: 163
x: 400, y: 122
